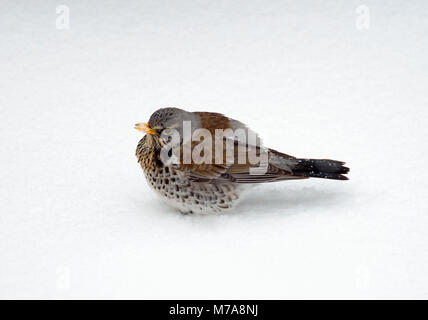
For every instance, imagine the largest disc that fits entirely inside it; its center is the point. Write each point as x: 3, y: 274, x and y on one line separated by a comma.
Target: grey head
x: 173, y: 118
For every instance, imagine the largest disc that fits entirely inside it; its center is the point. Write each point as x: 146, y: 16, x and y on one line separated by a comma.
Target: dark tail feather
x: 321, y: 168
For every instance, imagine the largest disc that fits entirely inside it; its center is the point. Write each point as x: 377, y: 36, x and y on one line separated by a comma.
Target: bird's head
x: 163, y: 121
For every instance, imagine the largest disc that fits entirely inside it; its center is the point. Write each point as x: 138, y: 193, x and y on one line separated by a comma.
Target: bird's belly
x: 192, y: 197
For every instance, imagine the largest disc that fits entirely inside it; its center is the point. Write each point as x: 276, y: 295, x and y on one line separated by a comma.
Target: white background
x: 77, y: 217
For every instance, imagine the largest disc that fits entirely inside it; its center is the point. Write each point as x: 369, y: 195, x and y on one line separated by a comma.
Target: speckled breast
x: 189, y: 196
x: 179, y: 191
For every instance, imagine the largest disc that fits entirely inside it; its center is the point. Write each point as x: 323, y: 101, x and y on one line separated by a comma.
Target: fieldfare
x: 196, y: 175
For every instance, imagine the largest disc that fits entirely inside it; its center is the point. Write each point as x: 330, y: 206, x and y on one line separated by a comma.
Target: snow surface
x: 77, y: 217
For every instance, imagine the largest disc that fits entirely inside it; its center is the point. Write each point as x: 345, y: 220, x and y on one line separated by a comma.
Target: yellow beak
x: 146, y: 128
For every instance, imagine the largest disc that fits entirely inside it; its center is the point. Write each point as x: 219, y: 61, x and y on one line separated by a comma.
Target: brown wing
x: 234, y: 171
x: 279, y: 167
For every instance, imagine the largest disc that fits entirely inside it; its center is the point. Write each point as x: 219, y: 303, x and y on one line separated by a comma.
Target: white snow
x: 77, y: 217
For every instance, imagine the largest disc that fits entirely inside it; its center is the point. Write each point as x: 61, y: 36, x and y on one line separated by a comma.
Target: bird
x: 204, y: 188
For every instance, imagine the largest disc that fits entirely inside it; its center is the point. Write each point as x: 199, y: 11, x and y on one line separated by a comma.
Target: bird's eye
x: 167, y: 131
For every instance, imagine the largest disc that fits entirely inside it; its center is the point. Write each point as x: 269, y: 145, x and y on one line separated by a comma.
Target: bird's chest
x: 165, y: 180
x: 179, y: 191
x: 188, y: 196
